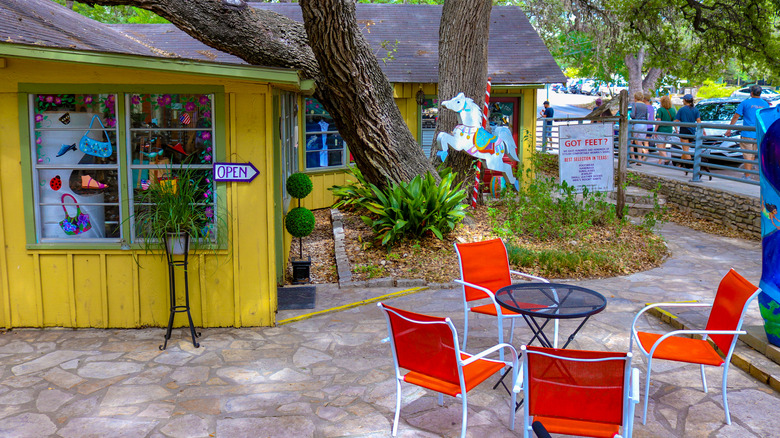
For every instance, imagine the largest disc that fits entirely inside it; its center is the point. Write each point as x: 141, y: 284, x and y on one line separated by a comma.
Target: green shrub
x: 710, y: 89
x: 353, y: 194
x: 299, y: 185
x: 416, y: 208
x: 300, y: 222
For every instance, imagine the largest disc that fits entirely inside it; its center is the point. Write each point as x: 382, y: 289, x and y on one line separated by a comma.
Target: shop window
x: 429, y: 113
x: 79, y: 159
x: 168, y: 134
x: 288, y: 138
x: 75, y: 167
x: 324, y: 145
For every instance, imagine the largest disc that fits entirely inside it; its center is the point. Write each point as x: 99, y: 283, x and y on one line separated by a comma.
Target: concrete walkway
x: 330, y: 375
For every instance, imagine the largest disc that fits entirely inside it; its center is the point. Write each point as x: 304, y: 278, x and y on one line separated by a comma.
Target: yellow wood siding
x: 106, y: 287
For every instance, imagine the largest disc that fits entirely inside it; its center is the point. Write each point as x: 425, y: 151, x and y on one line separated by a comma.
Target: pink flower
x: 87, y: 99
x: 206, y: 195
x: 110, y: 122
x: 38, y: 140
x: 57, y: 100
x: 204, y: 100
x: 190, y: 106
x: 209, y: 212
x: 208, y: 149
x: 49, y: 99
x: 41, y: 97
x: 110, y: 98
x: 166, y: 98
x: 206, y: 114
x: 207, y: 158
x: 135, y: 99
x: 206, y: 135
x: 39, y: 117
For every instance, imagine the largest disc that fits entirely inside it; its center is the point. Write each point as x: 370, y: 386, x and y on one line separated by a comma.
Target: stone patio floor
x: 330, y: 375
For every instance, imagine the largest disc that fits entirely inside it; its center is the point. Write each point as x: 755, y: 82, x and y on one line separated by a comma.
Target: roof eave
x: 279, y: 76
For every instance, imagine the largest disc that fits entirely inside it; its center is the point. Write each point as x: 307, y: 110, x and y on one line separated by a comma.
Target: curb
x: 748, y: 354
x: 352, y: 305
x: 344, y: 270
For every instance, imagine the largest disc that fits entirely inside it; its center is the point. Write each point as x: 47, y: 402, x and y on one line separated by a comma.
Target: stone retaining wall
x: 731, y: 210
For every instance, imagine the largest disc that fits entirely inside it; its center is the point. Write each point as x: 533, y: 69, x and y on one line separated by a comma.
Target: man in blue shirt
x: 547, y: 113
x: 748, y: 109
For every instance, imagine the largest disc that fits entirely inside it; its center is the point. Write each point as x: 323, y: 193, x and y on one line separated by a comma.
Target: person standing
x: 664, y: 133
x: 547, y: 113
x: 639, y: 113
x: 748, y: 109
x: 650, y: 116
x: 687, y: 114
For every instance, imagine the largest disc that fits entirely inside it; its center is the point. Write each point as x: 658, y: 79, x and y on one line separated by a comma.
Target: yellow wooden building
x: 158, y: 98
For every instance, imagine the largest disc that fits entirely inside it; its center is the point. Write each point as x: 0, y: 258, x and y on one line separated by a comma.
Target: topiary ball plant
x: 300, y: 222
x: 299, y: 185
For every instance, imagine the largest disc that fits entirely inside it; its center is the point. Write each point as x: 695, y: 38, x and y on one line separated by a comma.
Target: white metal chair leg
x: 512, y: 330
x: 397, y: 405
x: 465, y: 412
x: 465, y: 330
x: 555, y: 335
x: 500, y: 323
x: 647, y: 391
x: 703, y: 379
x: 441, y: 399
x: 725, y: 394
x: 513, y: 403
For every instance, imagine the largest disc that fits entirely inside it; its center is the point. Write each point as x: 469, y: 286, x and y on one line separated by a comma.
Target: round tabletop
x: 551, y: 300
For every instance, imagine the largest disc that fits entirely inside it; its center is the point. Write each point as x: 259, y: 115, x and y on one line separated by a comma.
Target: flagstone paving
x: 331, y: 375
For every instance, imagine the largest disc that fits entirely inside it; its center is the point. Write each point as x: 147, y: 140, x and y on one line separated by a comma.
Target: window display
x: 75, y: 164
x: 324, y: 145
x: 78, y: 158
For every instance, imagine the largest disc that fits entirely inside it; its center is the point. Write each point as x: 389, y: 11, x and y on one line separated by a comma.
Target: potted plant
x: 172, y: 211
x: 299, y: 222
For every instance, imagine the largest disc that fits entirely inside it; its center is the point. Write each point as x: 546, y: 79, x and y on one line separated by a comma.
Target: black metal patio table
x: 548, y: 301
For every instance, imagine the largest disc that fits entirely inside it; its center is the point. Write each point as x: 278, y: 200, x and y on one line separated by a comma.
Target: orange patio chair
x: 484, y: 269
x: 578, y: 392
x: 428, y: 348
x: 723, y: 327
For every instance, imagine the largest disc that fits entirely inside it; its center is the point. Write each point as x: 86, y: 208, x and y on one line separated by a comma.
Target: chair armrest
x: 490, y: 350
x: 692, y: 332
x: 532, y: 277
x: 651, y: 306
x: 475, y: 286
x: 634, y: 396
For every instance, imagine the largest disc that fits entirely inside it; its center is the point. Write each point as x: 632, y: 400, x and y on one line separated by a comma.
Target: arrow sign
x: 239, y: 172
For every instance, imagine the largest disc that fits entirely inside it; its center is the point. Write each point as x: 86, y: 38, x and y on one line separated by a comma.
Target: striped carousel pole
x: 478, y: 175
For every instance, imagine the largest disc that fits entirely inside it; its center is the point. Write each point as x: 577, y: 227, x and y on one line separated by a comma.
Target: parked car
x: 744, y: 93
x: 588, y: 87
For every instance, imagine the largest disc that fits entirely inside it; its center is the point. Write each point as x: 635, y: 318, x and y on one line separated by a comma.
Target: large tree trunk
x: 356, y: 92
x: 350, y: 83
x: 463, y: 54
x: 634, y: 64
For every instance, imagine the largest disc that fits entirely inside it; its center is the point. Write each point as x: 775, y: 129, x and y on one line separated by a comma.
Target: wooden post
x: 622, y: 153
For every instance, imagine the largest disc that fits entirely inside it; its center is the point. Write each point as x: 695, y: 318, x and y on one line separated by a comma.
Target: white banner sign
x: 585, y: 156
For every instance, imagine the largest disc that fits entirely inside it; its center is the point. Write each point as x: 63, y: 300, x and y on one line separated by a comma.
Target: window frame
x: 305, y: 152
x: 122, y: 92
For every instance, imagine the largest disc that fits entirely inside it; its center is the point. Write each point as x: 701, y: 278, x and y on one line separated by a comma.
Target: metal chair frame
x: 630, y: 387
x: 459, y: 354
x: 704, y: 333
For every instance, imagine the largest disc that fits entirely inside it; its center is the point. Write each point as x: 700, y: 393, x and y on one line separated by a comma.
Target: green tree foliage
x: 693, y: 39
x: 114, y: 14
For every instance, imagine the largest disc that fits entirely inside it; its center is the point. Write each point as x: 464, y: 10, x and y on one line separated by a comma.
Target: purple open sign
x: 238, y: 172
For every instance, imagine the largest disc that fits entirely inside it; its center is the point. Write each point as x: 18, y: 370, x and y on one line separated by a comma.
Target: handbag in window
x: 77, y: 224
x: 93, y: 147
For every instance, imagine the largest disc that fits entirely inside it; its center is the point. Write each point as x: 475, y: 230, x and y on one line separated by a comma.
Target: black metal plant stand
x: 172, y: 265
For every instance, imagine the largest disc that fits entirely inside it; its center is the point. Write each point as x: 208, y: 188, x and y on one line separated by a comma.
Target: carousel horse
x: 469, y: 136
